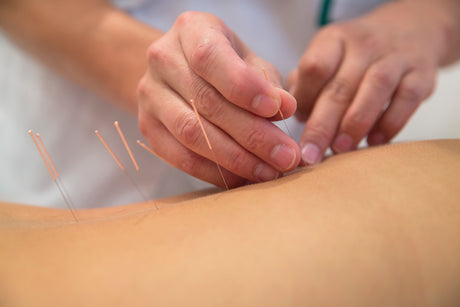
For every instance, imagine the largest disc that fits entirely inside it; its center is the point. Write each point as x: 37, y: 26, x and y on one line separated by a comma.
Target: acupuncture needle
x: 58, y: 178
x: 117, y: 125
x: 53, y: 175
x: 209, y: 143
x: 281, y: 113
x: 146, y: 147
x: 120, y: 165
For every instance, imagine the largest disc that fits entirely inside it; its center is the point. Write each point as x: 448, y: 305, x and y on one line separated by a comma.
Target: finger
x: 183, y: 124
x: 174, y: 153
x: 413, y: 89
x: 334, y: 100
x: 375, y: 91
x: 255, y: 134
x: 288, y: 102
x: 316, y: 67
x: 152, y: 96
x: 213, y: 57
x: 288, y: 106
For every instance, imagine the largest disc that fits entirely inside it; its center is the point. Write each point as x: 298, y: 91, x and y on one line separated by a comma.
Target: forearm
x: 89, y: 42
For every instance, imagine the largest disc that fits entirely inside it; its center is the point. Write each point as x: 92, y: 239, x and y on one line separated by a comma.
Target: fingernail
x: 264, y: 172
x: 283, y: 156
x: 310, y: 154
x: 292, y: 89
x: 342, y: 143
x: 265, y: 105
x: 376, y: 138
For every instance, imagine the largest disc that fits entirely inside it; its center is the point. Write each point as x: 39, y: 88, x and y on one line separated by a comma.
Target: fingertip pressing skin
x: 310, y: 154
x: 376, y: 138
x: 285, y: 156
x: 343, y: 143
x: 264, y: 172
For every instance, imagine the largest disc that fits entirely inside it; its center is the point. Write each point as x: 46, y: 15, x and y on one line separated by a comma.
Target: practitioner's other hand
x: 200, y: 58
x: 366, y: 77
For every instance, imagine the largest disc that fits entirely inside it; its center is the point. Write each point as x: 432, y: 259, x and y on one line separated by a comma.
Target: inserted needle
x: 120, y: 165
x: 53, y: 172
x: 117, y: 125
x: 281, y: 113
x: 209, y: 143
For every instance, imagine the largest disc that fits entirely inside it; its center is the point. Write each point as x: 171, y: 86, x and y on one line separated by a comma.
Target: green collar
x: 324, y: 13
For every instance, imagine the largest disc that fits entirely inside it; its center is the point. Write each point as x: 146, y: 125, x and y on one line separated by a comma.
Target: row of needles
x: 53, y: 172
x: 136, y: 166
x: 60, y: 185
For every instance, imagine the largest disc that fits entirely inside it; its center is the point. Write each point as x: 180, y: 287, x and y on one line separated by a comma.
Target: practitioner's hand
x: 366, y: 77
x: 201, y: 59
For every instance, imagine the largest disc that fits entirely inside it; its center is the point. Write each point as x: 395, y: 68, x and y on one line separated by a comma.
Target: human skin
x: 74, y: 36
x: 375, y: 227
x: 390, y: 53
x: 232, y: 95
x: 356, y: 68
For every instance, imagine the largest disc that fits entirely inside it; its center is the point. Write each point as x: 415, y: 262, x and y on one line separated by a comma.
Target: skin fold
x: 375, y: 227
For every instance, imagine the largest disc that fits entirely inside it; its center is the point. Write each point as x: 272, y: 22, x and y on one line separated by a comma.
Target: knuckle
x: 157, y: 55
x: 203, y: 57
x: 381, y: 78
x: 188, y: 18
x: 144, y: 89
x: 185, y: 18
x: 412, y: 93
x: 254, y: 140
x: 187, y: 129
x: 369, y: 43
x: 235, y: 160
x: 315, y: 67
x: 208, y: 101
x: 341, y: 91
